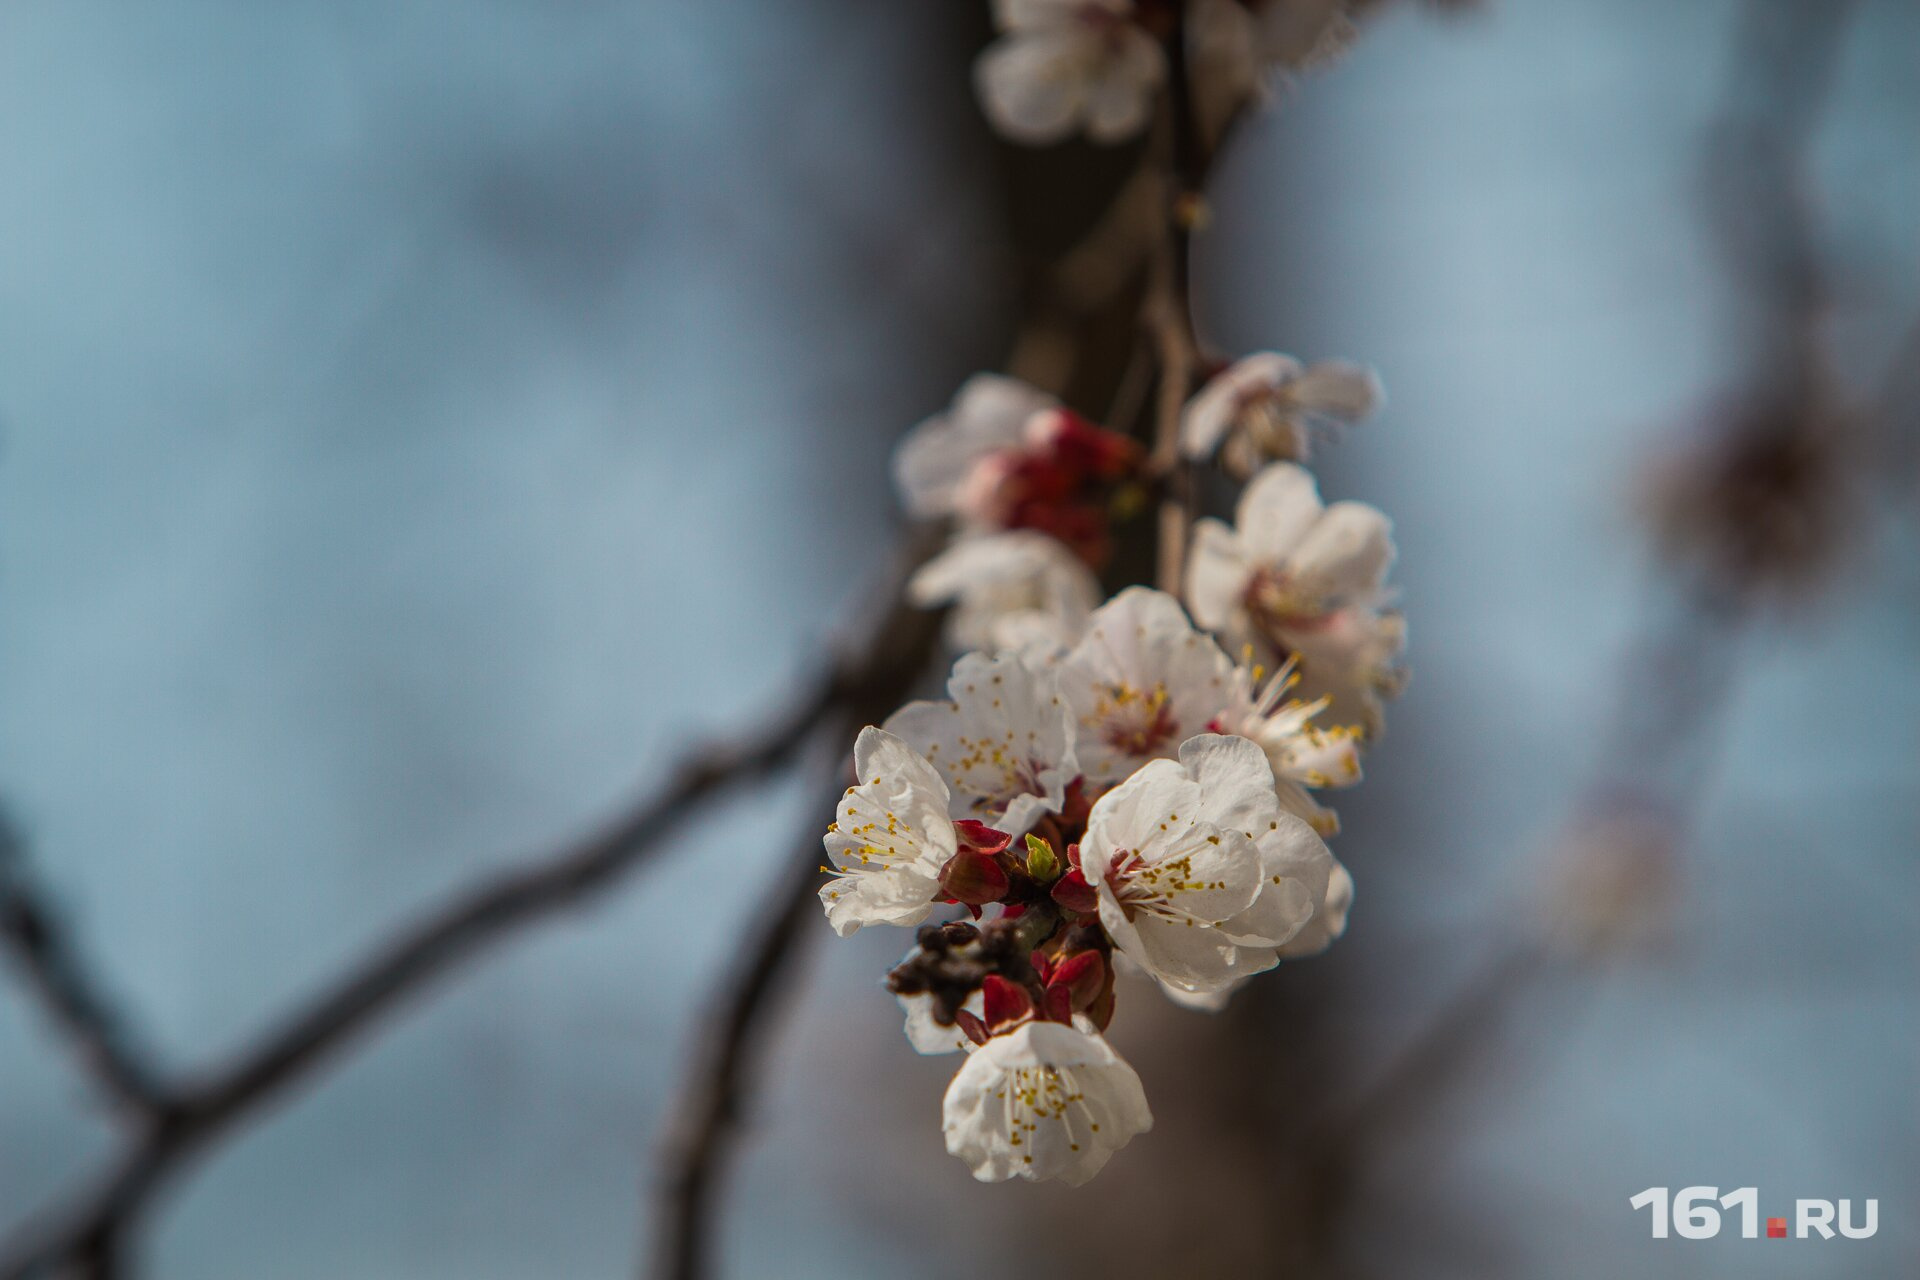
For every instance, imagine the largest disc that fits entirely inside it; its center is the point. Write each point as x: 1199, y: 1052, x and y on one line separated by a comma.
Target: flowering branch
x: 49, y: 963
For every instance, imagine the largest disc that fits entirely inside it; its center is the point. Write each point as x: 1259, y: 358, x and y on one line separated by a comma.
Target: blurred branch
x: 714, y: 1096
x: 715, y: 1093
x: 194, y: 1117
x: 49, y: 963
x: 1167, y: 310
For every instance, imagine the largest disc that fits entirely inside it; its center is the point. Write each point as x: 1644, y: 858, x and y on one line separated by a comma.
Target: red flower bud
x: 973, y: 878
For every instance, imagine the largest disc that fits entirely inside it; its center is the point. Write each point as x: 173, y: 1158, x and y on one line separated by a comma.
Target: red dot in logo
x: 1776, y: 1228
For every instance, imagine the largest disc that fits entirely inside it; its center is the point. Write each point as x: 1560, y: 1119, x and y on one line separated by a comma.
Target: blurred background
x: 418, y: 422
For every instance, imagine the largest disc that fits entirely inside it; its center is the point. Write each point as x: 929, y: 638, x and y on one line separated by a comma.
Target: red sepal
x: 971, y: 1026
x: 978, y: 837
x: 1074, y: 893
x: 1083, y: 976
x: 1006, y: 1002
x: 1059, y: 1005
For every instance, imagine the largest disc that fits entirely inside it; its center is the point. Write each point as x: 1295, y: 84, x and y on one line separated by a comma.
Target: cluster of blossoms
x: 1129, y: 786
x: 1064, y: 67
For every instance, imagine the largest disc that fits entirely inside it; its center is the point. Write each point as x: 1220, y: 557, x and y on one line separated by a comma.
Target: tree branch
x: 49, y: 963
x: 194, y: 1117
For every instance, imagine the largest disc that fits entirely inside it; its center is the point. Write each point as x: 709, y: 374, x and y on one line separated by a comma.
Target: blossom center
x: 1136, y: 723
x: 1279, y: 602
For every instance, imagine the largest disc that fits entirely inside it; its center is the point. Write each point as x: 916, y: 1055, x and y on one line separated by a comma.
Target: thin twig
x: 44, y: 951
x: 432, y: 946
x: 1167, y: 309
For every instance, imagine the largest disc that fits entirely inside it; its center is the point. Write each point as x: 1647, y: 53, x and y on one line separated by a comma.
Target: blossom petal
x: 1338, y: 389
x: 935, y: 458
x: 1033, y: 84
x: 1141, y: 682
x: 890, y: 837
x: 1211, y: 414
x: 1120, y: 94
x: 1003, y: 740
x: 1217, y: 574
x: 1043, y: 1101
x: 1278, y: 508
x: 1329, y: 921
x: 1014, y: 590
x: 1346, y: 554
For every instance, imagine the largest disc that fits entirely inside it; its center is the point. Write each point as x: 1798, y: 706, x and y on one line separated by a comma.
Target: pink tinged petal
x: 935, y: 458
x: 1278, y: 508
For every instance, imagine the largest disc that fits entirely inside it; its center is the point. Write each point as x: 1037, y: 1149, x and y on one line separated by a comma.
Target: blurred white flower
x: 1044, y: 1101
x: 890, y: 838
x: 1063, y: 66
x: 1294, y: 577
x: 987, y: 416
x: 1202, y: 878
x: 1267, y: 405
x: 1140, y: 682
x: 1003, y: 740
x: 1234, y: 47
x: 1015, y: 590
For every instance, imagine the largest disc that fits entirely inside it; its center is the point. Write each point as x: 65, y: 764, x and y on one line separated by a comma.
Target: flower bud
x: 973, y: 878
x: 1042, y: 864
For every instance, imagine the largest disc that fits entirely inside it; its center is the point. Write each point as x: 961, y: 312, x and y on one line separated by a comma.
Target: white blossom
x: 1064, y: 66
x: 890, y: 838
x: 1014, y: 590
x: 988, y: 416
x: 1202, y: 878
x: 1304, y: 756
x: 1267, y: 405
x: 1044, y: 1101
x: 1003, y: 739
x: 1295, y: 577
x: 1140, y: 682
x: 1316, y: 936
